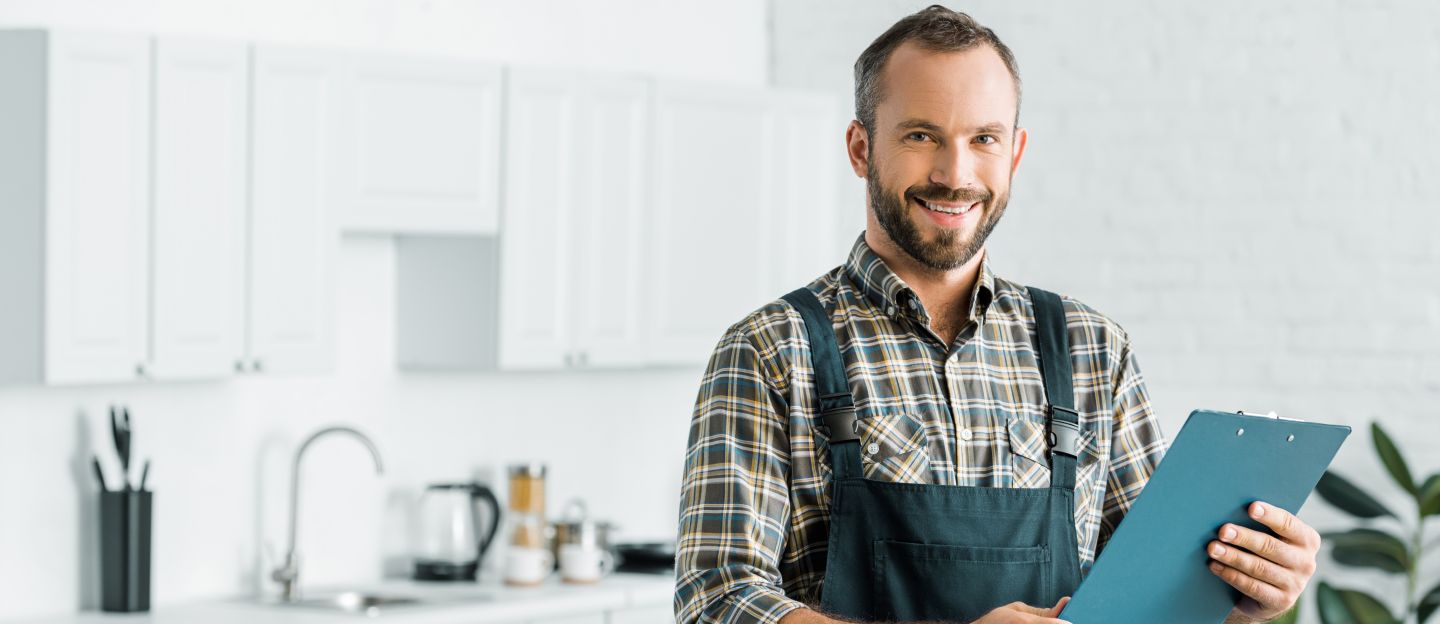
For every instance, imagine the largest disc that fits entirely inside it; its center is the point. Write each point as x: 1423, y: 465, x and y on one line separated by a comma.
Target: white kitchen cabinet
x: 293, y: 241
x: 587, y: 618
x: 575, y: 193
x: 660, y: 614
x: 744, y: 208
x: 419, y: 145
x: 200, y: 152
x: 74, y: 229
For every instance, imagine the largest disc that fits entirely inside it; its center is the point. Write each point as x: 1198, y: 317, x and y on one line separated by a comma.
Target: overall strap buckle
x: 837, y: 411
x: 1064, y: 435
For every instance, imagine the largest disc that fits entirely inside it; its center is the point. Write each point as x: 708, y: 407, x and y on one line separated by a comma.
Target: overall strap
x: 837, y: 406
x: 1054, y: 355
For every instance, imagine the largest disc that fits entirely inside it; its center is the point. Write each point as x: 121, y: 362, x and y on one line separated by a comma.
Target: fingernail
x: 1215, y: 567
x: 1217, y: 550
x: 1259, y: 510
x: 1228, y: 534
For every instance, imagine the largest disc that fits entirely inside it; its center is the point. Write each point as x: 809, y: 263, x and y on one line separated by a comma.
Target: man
x: 911, y: 437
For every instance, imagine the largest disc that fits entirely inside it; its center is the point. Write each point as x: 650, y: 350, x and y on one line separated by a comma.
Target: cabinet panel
x: 804, y: 151
x: 97, y: 207
x: 541, y: 195
x: 420, y: 146
x: 708, y: 256
x: 292, y: 239
x: 613, y: 123
x: 197, y: 257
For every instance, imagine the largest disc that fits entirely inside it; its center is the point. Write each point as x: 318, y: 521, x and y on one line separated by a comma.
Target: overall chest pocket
x: 1030, y: 463
x: 893, y: 447
x: 956, y: 583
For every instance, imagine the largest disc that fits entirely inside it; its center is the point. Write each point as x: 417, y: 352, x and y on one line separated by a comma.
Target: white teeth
x: 946, y: 210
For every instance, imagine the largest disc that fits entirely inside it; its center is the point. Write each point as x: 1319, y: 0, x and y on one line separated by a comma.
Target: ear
x: 1021, y: 137
x: 857, y: 147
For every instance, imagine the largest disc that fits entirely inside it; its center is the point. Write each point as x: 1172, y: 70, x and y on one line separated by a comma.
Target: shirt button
x: 873, y: 448
x: 889, y: 310
x: 914, y: 305
x: 966, y: 434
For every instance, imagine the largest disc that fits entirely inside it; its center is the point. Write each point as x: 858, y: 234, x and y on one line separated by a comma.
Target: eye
x: 982, y: 139
x: 917, y: 136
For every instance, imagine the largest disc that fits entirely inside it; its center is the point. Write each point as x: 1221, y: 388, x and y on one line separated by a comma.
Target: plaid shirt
x: 754, y: 514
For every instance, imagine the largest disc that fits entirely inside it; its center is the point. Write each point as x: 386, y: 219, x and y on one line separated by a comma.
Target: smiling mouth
x: 950, y: 208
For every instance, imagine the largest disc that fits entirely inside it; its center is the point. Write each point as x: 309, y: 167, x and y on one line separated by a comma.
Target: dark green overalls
x: 902, y: 551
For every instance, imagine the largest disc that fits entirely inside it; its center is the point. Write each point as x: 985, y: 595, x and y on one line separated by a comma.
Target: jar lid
x: 528, y: 469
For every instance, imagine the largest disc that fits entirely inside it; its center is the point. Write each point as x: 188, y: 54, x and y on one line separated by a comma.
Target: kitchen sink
x: 357, y: 602
x: 371, y: 603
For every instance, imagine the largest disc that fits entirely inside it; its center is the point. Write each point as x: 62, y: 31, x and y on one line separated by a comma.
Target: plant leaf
x: 1344, y: 495
x: 1346, y: 606
x: 1430, y: 496
x: 1392, y: 459
x: 1429, y: 603
x: 1368, y: 548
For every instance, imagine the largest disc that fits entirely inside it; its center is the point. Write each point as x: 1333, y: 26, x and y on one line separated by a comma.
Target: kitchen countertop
x: 440, y: 603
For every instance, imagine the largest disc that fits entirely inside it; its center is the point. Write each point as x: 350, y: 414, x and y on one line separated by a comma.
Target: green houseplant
x: 1397, y: 552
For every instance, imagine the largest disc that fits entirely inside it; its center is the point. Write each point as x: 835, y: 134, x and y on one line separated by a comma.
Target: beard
x: 950, y: 248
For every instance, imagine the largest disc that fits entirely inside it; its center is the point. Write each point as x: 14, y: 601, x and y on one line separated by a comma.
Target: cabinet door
x: 803, y: 139
x: 198, y: 233
x: 709, y: 261
x: 541, y: 195
x: 612, y: 124
x: 420, y: 146
x: 96, y: 233
x: 293, y: 241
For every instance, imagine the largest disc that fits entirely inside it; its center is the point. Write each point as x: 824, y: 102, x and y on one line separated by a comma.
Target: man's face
x: 943, y: 150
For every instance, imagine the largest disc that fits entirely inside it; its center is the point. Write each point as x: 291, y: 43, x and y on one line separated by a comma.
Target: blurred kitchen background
x: 490, y: 232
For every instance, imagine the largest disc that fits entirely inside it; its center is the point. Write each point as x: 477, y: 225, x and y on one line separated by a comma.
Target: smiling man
x: 911, y: 437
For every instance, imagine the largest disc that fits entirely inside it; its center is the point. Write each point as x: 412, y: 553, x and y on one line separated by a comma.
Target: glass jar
x: 528, y: 558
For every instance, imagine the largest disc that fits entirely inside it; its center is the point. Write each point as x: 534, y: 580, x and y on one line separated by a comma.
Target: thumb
x: 1055, y: 610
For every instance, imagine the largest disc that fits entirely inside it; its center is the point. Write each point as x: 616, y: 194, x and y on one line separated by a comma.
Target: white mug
x: 584, y: 564
x: 527, y: 566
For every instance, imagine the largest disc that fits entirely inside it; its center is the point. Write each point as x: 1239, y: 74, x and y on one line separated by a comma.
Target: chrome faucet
x: 288, y: 574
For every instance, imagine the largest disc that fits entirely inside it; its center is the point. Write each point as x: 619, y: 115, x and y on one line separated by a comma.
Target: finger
x: 1059, y: 606
x: 1269, y: 596
x: 1285, y: 524
x: 1253, y: 566
x: 1263, y: 544
x: 1021, y: 607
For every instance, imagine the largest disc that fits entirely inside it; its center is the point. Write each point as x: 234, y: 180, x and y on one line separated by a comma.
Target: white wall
x: 1249, y: 188
x: 221, y: 451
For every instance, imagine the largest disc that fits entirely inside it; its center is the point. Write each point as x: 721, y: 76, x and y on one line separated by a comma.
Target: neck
x: 944, y: 293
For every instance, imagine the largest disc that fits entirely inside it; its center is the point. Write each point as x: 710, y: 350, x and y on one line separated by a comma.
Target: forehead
x: 951, y: 89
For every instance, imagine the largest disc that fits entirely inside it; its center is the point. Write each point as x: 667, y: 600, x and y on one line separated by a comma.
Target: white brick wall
x: 1252, y: 189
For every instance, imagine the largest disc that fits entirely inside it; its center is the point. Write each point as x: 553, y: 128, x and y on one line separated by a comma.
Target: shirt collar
x: 891, y: 294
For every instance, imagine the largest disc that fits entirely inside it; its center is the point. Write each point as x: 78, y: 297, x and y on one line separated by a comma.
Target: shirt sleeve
x: 735, y: 497
x: 1136, y: 445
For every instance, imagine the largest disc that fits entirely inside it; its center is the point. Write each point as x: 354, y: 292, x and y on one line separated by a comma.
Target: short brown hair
x: 934, y: 28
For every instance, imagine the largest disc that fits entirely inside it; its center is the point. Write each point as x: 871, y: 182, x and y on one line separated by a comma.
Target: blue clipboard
x: 1154, y: 568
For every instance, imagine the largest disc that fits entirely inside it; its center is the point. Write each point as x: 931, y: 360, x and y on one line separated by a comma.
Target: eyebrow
x: 993, y: 127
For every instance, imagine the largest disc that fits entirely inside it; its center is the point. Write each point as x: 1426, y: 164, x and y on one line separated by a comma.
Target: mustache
x: 937, y: 192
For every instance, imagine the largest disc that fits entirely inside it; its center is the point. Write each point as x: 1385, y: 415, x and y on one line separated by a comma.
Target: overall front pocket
x: 944, y: 582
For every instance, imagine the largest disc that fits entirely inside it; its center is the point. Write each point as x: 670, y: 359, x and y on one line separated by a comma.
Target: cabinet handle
x: 140, y: 371
x: 584, y: 358
x: 240, y: 365
x: 569, y: 359
x: 256, y: 365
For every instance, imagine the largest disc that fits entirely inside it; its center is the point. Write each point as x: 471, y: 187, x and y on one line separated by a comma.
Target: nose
x: 954, y: 168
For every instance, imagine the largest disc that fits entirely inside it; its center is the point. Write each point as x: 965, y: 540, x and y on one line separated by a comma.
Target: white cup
x: 584, y: 564
x: 527, y: 566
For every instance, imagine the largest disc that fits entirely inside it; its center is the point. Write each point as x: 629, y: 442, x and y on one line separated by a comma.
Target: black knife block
x: 125, y: 551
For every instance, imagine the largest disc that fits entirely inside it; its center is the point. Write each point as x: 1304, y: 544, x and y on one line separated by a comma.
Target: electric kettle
x: 453, y: 535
